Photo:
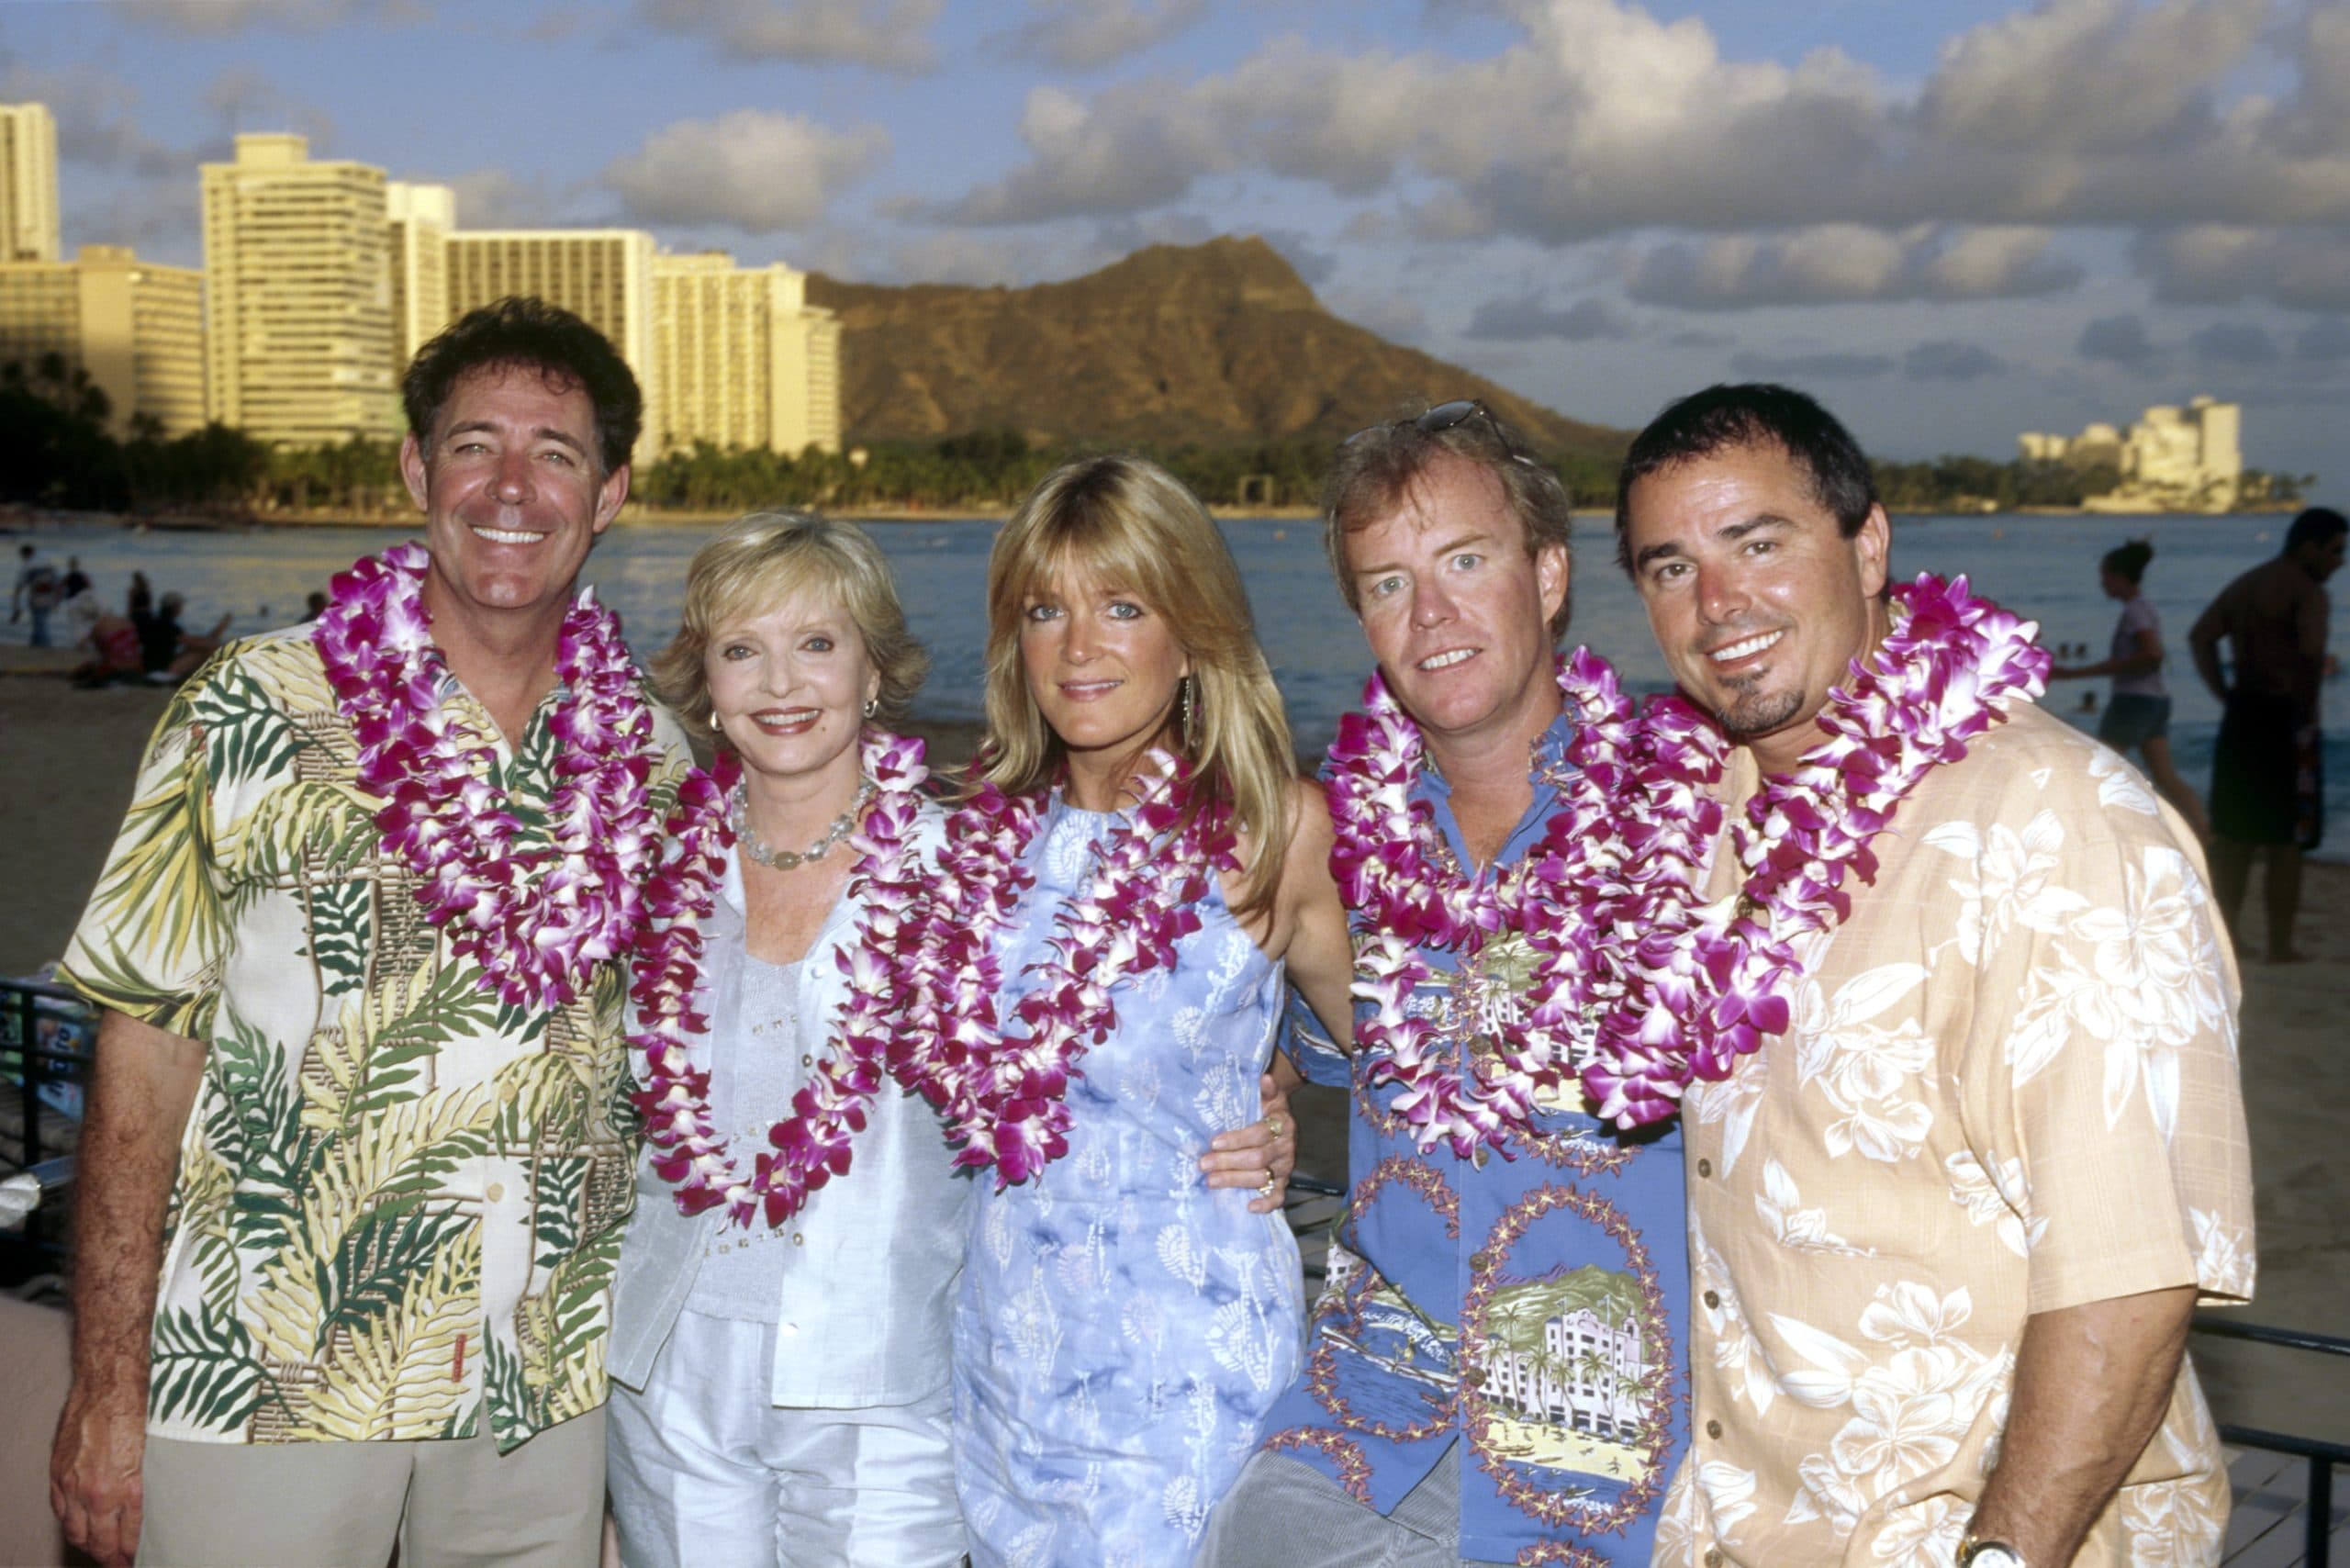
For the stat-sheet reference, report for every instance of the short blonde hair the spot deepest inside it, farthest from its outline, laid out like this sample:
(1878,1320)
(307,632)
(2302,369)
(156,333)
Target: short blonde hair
(1126,522)
(761,561)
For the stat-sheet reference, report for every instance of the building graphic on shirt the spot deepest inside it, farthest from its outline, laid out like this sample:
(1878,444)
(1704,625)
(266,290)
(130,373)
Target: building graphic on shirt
(1487,996)
(1568,1351)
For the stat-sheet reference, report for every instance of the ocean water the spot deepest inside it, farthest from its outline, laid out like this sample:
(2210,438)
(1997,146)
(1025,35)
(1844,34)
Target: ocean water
(2040,566)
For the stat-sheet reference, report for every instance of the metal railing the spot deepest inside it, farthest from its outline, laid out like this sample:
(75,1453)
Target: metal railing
(2319,1454)
(45,1036)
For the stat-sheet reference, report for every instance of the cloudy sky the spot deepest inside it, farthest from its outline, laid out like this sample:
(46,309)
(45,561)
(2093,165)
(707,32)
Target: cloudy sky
(1952,219)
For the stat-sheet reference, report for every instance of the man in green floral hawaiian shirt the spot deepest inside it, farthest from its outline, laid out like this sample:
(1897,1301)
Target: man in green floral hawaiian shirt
(360,1147)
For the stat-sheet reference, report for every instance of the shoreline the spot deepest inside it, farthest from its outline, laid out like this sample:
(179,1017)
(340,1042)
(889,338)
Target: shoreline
(30,521)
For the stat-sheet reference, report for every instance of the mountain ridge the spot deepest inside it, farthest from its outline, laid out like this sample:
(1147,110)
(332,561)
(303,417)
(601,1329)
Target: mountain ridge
(1219,344)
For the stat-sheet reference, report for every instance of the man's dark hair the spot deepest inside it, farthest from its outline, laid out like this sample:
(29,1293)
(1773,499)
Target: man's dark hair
(525,333)
(2318,525)
(1753,413)
(1376,468)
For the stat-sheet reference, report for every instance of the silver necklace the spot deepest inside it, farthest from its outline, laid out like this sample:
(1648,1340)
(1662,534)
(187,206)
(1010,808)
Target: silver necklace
(738,817)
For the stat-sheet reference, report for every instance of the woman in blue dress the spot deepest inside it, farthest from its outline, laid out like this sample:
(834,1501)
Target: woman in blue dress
(1122,1324)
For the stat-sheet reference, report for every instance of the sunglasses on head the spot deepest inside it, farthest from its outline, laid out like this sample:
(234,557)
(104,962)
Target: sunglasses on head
(1444,416)
(1437,421)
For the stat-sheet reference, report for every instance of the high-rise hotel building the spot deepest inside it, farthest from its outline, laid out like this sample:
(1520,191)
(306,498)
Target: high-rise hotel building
(298,321)
(28,230)
(419,218)
(135,327)
(602,275)
(744,359)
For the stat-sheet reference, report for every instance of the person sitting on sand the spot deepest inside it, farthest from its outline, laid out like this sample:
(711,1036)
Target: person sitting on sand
(167,651)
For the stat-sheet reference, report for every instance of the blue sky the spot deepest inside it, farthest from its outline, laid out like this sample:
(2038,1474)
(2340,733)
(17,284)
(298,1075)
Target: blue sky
(1952,219)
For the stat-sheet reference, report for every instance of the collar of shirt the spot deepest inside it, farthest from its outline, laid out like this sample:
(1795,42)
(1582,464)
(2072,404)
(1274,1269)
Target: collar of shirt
(1547,764)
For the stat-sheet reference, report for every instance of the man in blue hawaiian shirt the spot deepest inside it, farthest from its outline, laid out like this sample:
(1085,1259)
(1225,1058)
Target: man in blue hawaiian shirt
(1498,1369)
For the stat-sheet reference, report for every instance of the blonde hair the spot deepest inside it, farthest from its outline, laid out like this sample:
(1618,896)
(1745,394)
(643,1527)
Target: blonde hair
(762,560)
(1128,523)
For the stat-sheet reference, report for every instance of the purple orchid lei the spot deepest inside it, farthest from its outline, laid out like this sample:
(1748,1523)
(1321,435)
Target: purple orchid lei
(811,1146)
(1704,986)
(1632,809)
(1001,1087)
(538,920)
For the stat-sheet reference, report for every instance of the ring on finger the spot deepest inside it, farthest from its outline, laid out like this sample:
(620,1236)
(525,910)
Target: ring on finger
(1266,1190)
(1275,1124)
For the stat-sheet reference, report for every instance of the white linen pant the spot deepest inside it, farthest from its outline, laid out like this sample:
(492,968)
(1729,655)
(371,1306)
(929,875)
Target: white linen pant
(704,1470)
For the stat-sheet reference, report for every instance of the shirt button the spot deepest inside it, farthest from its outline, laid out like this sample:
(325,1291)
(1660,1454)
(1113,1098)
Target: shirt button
(796,1239)
(1713,1300)
(1713,1557)
(1713,1429)
(1480,1263)
(807,1062)
(1705,1168)
(1473,1378)
(496,1192)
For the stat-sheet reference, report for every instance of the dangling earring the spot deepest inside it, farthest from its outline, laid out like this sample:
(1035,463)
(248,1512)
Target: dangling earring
(872,706)
(1190,714)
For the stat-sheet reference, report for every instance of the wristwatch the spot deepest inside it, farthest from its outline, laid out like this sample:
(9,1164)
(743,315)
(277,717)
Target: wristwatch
(1973,1552)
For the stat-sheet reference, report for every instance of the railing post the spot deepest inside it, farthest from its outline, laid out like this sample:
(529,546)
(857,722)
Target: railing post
(2318,1526)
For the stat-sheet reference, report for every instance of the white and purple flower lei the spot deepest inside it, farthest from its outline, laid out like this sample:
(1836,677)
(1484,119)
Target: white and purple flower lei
(537,920)
(1632,810)
(1001,1089)
(1704,986)
(811,1146)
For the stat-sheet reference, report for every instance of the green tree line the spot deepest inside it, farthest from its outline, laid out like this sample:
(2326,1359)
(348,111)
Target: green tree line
(55,451)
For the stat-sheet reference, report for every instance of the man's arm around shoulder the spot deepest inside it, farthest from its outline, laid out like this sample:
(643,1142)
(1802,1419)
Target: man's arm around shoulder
(142,1083)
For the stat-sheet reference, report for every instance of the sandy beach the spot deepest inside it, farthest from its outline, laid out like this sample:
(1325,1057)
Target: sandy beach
(67,760)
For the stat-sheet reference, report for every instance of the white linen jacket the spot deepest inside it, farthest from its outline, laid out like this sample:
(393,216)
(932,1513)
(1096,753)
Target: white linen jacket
(876,1254)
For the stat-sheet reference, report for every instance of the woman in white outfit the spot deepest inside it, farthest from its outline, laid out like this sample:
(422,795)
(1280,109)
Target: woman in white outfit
(780,1390)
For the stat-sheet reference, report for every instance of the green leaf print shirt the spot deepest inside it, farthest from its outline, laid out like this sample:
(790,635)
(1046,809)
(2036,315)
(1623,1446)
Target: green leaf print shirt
(398,1200)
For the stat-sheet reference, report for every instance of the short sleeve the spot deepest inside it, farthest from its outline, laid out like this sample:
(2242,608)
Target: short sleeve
(1309,1046)
(2106,1022)
(151,941)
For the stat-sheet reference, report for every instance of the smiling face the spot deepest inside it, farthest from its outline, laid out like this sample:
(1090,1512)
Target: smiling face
(513,495)
(1104,666)
(1758,601)
(787,687)
(1456,613)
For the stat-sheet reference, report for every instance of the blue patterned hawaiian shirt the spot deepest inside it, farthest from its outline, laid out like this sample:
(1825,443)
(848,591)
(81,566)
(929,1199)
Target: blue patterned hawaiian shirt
(1557,1276)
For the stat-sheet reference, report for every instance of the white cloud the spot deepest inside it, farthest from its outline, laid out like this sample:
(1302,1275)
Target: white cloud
(1083,35)
(2219,265)
(1602,118)
(1527,315)
(755,169)
(886,35)
(496,199)
(2090,76)
(1842,262)
(223,16)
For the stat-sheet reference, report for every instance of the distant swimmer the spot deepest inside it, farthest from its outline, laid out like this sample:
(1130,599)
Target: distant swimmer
(2137,719)
(2268,789)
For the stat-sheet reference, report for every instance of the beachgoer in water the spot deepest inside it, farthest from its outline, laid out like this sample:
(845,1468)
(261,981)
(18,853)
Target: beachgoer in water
(2137,719)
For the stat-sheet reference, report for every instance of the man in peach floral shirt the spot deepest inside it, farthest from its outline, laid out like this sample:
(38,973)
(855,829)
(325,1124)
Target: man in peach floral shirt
(1949,1222)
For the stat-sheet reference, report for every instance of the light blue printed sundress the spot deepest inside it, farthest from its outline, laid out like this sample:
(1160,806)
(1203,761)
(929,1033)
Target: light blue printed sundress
(1122,1328)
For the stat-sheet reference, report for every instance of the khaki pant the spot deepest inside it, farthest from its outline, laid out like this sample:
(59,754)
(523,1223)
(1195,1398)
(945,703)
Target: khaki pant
(448,1504)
